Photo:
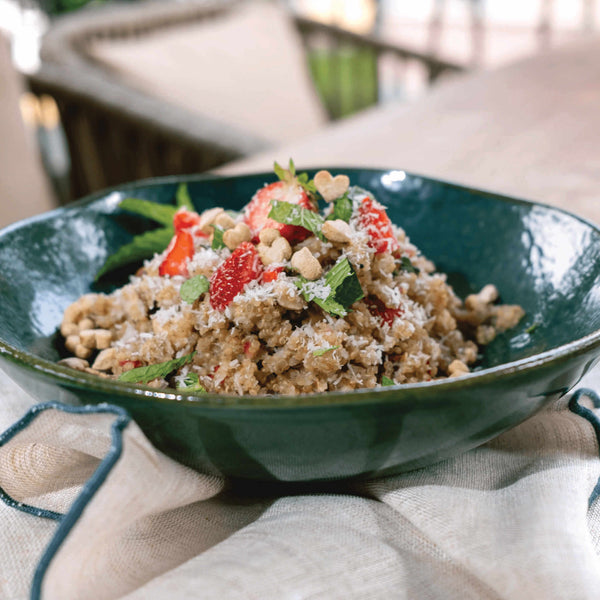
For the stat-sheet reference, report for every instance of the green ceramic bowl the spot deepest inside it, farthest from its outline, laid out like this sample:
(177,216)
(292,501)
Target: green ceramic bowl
(544,259)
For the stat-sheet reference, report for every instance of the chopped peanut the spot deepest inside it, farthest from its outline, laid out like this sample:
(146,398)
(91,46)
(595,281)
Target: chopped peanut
(82,352)
(105,359)
(67,329)
(279,251)
(232,238)
(88,337)
(331,187)
(72,342)
(337,231)
(86,323)
(224,221)
(508,316)
(487,295)
(207,218)
(457,368)
(103,338)
(268,235)
(306,264)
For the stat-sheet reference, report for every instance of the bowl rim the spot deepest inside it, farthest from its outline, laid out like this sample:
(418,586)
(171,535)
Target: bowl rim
(70,378)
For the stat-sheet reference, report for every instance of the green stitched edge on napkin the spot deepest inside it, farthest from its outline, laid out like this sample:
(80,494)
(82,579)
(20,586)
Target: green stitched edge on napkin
(68,520)
(91,486)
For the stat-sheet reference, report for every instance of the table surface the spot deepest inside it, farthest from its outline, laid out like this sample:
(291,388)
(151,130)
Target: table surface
(530,130)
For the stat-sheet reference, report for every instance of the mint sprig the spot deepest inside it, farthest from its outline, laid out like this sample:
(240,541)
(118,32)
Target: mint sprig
(161,213)
(292,214)
(342,209)
(182,197)
(193,288)
(150,372)
(321,351)
(341,285)
(191,383)
(289,173)
(141,247)
(407,266)
(217,241)
(149,243)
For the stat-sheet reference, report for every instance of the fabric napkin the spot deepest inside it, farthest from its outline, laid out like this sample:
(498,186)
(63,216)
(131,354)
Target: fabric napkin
(92,510)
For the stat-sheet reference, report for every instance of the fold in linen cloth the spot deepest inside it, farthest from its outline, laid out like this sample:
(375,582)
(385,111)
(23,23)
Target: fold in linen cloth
(102,515)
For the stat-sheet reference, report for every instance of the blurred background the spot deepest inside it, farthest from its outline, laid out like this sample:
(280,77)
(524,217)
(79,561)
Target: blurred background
(96,93)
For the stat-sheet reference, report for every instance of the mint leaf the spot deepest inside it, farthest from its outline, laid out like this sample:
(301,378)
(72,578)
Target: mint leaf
(217,241)
(306,183)
(532,327)
(161,213)
(344,282)
(146,374)
(281,173)
(289,174)
(342,209)
(322,351)
(191,383)
(320,293)
(335,292)
(385,381)
(292,214)
(183,199)
(193,288)
(407,266)
(141,247)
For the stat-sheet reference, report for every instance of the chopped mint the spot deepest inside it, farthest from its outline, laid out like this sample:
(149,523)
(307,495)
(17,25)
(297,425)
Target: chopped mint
(322,351)
(182,197)
(146,374)
(161,213)
(385,381)
(193,288)
(342,209)
(306,183)
(407,266)
(345,285)
(217,241)
(340,288)
(141,247)
(191,383)
(292,214)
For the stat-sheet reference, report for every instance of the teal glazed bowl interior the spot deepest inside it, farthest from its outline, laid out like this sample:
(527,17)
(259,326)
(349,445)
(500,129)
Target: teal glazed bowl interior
(542,258)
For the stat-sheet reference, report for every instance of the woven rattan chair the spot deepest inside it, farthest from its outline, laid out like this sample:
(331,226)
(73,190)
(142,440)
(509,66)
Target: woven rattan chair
(118,133)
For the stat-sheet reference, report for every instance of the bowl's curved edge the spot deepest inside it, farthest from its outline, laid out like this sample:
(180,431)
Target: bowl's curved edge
(79,380)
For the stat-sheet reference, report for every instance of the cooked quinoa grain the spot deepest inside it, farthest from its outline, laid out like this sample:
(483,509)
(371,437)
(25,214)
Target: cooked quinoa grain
(281,309)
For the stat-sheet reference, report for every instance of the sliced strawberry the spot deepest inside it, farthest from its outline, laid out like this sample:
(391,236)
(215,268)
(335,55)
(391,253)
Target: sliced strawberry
(375,221)
(257,211)
(180,250)
(231,276)
(271,274)
(186,219)
(378,309)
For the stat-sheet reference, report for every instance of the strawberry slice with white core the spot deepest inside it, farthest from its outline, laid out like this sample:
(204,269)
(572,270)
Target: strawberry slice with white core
(257,211)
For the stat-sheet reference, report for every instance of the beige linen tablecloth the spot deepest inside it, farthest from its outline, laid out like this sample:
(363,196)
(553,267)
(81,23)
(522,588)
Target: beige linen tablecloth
(92,510)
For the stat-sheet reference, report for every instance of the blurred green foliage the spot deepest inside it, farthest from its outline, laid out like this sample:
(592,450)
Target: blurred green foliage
(346,78)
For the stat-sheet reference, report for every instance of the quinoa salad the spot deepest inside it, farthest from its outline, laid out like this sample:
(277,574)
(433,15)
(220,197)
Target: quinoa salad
(282,298)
